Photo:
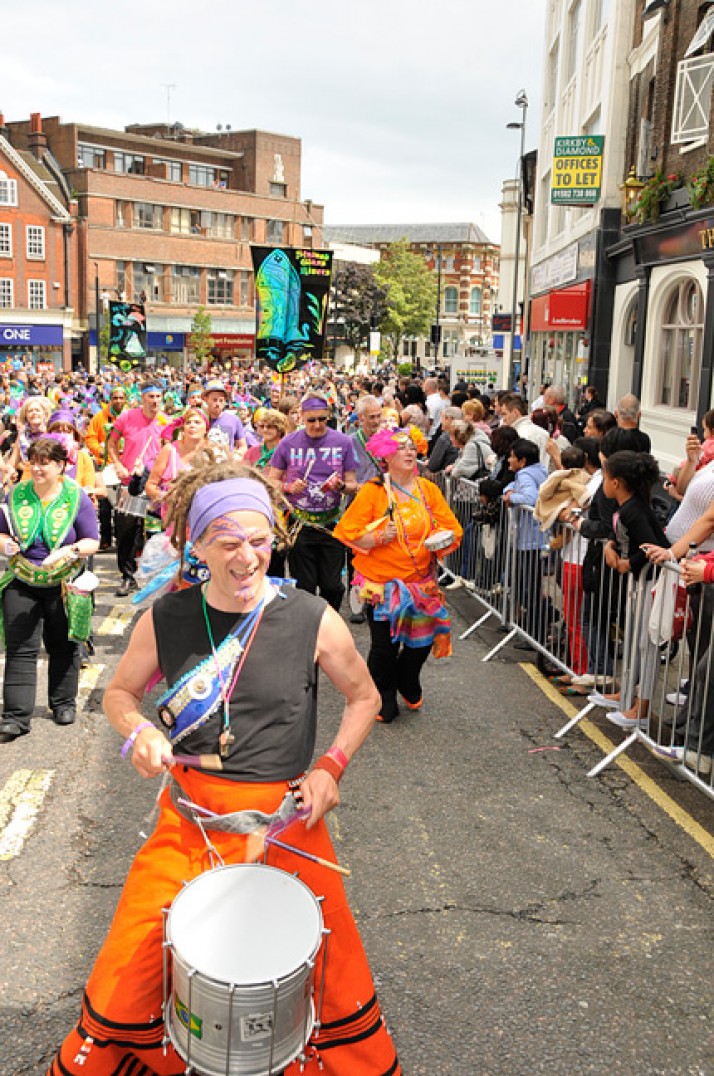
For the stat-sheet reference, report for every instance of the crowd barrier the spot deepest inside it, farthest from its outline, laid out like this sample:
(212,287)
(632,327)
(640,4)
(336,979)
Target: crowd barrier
(648,641)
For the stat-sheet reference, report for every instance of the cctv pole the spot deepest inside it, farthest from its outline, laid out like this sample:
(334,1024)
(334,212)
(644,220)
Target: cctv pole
(522,102)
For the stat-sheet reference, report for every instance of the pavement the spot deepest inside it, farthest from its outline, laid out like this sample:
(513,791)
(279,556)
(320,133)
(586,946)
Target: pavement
(519,916)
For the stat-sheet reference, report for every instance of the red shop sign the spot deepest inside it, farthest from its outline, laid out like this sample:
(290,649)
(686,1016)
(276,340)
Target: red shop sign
(232,341)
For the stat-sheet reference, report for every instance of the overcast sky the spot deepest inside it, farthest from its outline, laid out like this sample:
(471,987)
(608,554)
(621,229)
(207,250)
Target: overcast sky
(401,105)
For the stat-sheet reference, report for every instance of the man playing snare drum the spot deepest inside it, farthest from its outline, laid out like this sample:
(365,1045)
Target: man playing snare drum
(240,659)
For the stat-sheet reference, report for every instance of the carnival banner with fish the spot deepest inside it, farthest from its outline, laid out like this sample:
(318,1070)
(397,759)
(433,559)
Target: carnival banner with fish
(127,334)
(292,288)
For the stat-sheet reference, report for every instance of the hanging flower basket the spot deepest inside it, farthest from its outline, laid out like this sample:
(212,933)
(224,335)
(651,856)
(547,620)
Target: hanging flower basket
(701,186)
(655,193)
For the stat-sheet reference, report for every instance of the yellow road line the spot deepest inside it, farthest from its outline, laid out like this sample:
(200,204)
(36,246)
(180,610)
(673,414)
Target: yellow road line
(117,621)
(683,819)
(88,680)
(20,802)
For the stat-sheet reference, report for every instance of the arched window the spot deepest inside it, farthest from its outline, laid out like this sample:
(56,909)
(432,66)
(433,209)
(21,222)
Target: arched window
(681,346)
(475,302)
(451,300)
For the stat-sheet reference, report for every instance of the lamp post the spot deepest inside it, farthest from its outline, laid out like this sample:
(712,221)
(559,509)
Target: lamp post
(522,103)
(97,319)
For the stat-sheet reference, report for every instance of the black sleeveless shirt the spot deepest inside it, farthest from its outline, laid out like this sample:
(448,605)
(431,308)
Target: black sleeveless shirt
(273,709)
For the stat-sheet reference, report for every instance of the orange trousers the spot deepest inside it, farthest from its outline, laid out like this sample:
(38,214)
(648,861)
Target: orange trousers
(120,1030)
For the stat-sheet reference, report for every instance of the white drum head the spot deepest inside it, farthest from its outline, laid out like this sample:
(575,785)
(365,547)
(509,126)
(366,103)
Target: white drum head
(245,924)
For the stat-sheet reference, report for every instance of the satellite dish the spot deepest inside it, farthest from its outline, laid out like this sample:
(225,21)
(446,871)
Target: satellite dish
(228,126)
(219,126)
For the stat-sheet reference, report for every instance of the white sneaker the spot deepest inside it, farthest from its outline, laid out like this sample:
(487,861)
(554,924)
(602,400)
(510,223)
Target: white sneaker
(676,698)
(585,680)
(455,584)
(684,755)
(623,722)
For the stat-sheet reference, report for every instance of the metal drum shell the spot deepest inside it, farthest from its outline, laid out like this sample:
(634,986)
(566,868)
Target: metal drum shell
(243,1028)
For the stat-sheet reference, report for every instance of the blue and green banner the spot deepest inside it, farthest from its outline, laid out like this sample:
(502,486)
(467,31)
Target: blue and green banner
(292,290)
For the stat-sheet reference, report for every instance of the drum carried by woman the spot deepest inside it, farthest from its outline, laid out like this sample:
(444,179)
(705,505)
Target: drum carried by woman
(397,526)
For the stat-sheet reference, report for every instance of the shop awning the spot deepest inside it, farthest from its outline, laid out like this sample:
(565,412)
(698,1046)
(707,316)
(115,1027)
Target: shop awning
(565,309)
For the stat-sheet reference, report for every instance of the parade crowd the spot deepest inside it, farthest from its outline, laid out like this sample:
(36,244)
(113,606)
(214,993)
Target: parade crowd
(266,500)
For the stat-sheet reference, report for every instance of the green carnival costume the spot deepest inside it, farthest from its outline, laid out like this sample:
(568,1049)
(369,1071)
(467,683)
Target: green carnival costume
(30,521)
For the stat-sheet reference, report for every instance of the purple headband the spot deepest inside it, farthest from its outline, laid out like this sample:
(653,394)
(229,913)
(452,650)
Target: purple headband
(313,403)
(232,495)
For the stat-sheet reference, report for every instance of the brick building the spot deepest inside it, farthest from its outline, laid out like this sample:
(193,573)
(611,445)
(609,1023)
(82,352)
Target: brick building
(167,216)
(662,342)
(38,260)
(467,264)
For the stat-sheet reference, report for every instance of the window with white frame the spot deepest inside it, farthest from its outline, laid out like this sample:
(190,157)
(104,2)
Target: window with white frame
(244,285)
(220,287)
(8,191)
(6,292)
(475,303)
(186,284)
(451,300)
(36,294)
(147,215)
(680,348)
(5,240)
(274,231)
(35,241)
(574,19)
(692,100)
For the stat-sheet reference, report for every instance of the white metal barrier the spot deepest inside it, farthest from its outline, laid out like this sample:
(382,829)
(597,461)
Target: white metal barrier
(598,626)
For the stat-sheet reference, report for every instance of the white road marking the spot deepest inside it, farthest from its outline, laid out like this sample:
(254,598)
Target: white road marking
(20,801)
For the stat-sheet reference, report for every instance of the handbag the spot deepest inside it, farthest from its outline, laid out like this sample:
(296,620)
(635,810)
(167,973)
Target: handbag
(671,616)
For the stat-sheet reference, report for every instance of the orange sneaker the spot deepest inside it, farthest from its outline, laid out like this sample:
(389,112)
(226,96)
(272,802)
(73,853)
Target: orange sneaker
(413,705)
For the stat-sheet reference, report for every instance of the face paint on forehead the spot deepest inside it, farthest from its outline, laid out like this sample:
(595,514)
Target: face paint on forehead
(227,529)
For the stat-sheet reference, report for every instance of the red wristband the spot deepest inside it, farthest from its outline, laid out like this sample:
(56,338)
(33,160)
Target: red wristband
(339,756)
(328,764)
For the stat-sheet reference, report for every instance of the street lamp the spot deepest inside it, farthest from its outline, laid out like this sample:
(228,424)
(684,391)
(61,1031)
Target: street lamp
(522,103)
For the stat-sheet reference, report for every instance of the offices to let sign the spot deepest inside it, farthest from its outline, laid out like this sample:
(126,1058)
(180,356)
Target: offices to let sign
(577,170)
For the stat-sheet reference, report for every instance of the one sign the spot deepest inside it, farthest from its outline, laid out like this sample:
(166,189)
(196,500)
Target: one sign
(19,336)
(375,343)
(232,341)
(165,341)
(127,334)
(292,289)
(501,323)
(577,170)
(557,270)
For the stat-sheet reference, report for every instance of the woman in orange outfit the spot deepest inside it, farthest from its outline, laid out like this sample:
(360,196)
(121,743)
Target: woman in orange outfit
(387,527)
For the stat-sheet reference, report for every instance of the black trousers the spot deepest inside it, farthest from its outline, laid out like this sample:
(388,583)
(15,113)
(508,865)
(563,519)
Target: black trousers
(316,561)
(105,513)
(33,615)
(394,668)
(130,542)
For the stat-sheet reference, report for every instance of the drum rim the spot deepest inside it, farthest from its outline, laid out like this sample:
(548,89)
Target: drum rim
(246,867)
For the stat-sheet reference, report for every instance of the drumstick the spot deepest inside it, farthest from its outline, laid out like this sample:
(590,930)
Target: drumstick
(388,488)
(195,762)
(375,523)
(308,469)
(308,855)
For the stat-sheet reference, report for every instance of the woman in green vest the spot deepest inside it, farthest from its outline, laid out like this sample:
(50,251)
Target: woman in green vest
(47,528)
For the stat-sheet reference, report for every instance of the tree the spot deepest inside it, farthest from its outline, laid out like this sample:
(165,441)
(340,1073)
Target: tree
(359,303)
(411,300)
(200,340)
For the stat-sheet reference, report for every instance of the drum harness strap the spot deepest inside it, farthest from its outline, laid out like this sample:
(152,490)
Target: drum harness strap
(240,822)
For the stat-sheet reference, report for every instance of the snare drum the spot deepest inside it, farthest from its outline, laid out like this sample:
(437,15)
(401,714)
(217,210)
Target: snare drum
(439,540)
(129,505)
(242,942)
(110,478)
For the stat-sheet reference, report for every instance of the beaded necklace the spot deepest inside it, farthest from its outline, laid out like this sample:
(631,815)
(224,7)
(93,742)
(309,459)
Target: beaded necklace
(245,633)
(403,538)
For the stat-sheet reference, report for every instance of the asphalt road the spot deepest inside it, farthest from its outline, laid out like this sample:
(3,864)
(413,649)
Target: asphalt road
(520,917)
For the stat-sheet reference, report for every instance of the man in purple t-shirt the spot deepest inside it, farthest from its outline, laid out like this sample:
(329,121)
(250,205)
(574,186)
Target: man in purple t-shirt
(315,466)
(225,432)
